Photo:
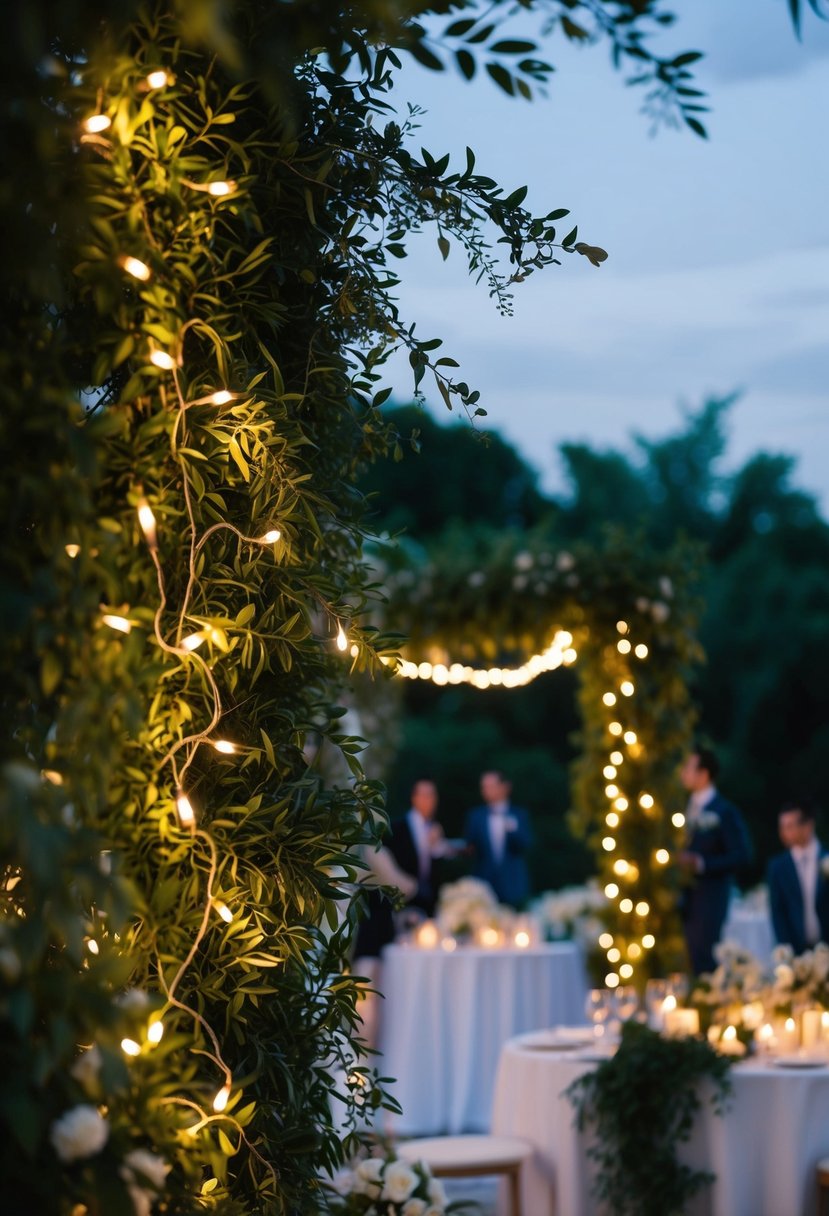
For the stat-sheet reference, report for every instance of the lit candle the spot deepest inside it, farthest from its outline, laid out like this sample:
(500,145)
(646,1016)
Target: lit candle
(679,1023)
(787,1037)
(489,937)
(427,935)
(811,1027)
(764,1037)
(729,1044)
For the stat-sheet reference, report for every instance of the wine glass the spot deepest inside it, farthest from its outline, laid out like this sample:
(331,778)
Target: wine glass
(655,993)
(679,986)
(626,999)
(598,1008)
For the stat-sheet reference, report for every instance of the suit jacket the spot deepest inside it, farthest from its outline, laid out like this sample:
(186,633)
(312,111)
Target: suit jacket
(725,848)
(509,877)
(401,844)
(786,899)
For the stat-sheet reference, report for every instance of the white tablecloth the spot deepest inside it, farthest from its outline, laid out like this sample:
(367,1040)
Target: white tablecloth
(751,929)
(446,1017)
(764,1149)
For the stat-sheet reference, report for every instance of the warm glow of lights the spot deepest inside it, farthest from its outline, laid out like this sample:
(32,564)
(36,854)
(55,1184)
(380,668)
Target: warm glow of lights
(630,736)
(625,905)
(608,844)
(615,728)
(611,980)
(161,359)
(616,758)
(649,941)
(489,936)
(135,267)
(569,656)
(342,640)
(441,673)
(791,1026)
(641,651)
(621,804)
(155,1031)
(130,1047)
(626,971)
(222,397)
(623,646)
(271,537)
(223,910)
(220,189)
(626,688)
(147,522)
(92,946)
(522,939)
(634,950)
(612,791)
(225,747)
(119,623)
(663,857)
(620,867)
(611,890)
(678,819)
(193,641)
(730,1032)
(157,79)
(613,955)
(612,819)
(609,698)
(186,814)
(622,626)
(669,1004)
(609,772)
(72,550)
(52,776)
(646,801)
(96,123)
(643,908)
(606,941)
(221,1099)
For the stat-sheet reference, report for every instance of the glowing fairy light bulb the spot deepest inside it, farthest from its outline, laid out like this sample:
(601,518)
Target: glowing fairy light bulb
(646,801)
(662,857)
(649,941)
(617,758)
(615,728)
(119,623)
(223,910)
(606,941)
(221,1099)
(678,819)
(92,946)
(52,776)
(130,1047)
(184,807)
(270,538)
(221,189)
(342,640)
(623,646)
(626,688)
(621,867)
(134,266)
(611,890)
(626,971)
(221,397)
(96,123)
(609,698)
(643,908)
(621,803)
(72,550)
(611,980)
(193,641)
(622,626)
(608,844)
(155,1031)
(225,747)
(612,820)
(625,905)
(641,651)
(161,359)
(157,79)
(609,772)
(147,522)
(614,954)
(630,736)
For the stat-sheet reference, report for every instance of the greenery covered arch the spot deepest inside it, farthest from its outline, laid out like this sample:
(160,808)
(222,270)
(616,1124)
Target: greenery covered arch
(625,617)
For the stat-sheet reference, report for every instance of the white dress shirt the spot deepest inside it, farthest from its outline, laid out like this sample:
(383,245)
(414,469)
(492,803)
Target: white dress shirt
(500,822)
(805,858)
(697,803)
(421,834)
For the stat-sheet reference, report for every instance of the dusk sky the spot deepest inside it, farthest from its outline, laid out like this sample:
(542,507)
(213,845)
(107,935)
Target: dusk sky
(718,275)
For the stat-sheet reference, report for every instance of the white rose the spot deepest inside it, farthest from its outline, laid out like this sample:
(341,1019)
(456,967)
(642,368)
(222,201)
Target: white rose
(437,1193)
(142,1166)
(80,1132)
(660,612)
(414,1207)
(523,561)
(343,1181)
(86,1068)
(399,1181)
(367,1177)
(565,561)
(783,975)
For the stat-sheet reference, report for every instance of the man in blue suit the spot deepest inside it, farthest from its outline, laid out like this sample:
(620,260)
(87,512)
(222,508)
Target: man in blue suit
(717,847)
(500,837)
(798,887)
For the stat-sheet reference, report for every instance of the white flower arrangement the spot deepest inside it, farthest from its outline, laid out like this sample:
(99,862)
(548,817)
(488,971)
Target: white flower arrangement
(80,1132)
(388,1186)
(87,1068)
(466,906)
(571,913)
(740,980)
(145,1174)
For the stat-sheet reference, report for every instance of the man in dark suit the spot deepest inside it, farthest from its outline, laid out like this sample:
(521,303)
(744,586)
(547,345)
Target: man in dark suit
(416,841)
(798,887)
(717,847)
(499,834)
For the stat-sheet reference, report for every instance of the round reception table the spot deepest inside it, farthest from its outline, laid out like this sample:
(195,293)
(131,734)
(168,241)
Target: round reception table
(446,1017)
(763,1150)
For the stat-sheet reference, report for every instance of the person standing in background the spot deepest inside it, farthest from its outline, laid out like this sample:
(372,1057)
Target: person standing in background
(500,836)
(717,847)
(798,887)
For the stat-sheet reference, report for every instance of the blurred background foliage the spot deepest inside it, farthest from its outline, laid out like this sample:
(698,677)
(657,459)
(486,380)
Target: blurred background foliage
(763,692)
